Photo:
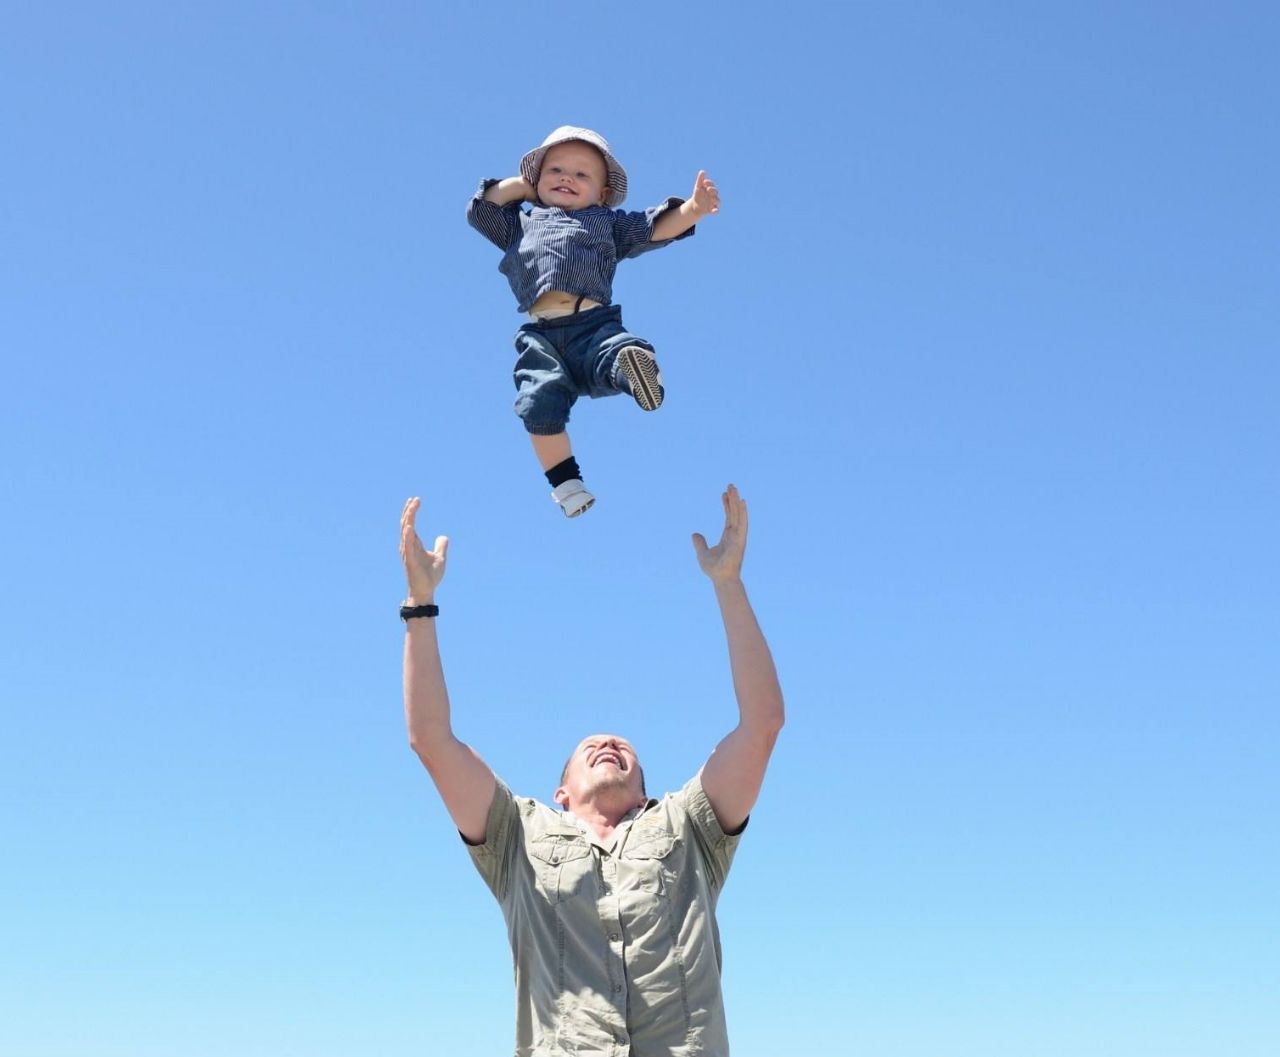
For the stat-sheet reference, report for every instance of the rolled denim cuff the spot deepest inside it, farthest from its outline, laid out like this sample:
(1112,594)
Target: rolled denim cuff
(545,429)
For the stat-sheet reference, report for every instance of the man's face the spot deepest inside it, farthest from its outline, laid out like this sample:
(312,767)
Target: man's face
(601,764)
(572,177)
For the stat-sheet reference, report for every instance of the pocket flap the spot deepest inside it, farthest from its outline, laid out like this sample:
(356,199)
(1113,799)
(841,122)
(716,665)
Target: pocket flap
(555,850)
(651,846)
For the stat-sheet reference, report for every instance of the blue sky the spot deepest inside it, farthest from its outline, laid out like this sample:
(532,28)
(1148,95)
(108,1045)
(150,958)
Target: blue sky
(986,334)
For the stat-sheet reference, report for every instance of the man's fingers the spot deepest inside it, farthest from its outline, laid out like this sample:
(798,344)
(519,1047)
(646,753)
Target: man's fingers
(409,513)
(735,512)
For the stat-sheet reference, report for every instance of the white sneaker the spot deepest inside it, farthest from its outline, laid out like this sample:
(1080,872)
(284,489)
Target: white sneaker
(640,367)
(572,497)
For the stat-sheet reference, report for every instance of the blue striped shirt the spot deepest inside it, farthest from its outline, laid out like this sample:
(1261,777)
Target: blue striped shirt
(548,248)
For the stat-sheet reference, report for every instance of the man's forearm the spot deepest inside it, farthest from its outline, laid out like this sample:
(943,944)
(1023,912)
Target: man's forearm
(426,700)
(755,679)
(674,222)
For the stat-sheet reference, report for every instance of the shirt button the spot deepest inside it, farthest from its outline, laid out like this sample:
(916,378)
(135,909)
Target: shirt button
(614,937)
(617,988)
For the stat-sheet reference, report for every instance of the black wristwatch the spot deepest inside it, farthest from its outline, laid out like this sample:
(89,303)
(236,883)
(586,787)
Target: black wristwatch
(409,612)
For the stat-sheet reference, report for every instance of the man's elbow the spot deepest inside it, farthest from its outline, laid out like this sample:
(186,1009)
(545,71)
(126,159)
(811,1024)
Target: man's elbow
(425,744)
(764,730)
(774,719)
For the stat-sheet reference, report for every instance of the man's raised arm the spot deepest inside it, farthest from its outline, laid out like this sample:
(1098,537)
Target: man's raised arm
(464,780)
(732,775)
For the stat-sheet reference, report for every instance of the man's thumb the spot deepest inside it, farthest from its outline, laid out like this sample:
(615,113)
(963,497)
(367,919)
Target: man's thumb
(699,544)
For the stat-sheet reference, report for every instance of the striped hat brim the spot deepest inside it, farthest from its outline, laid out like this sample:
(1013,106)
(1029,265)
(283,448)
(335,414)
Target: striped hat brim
(615,174)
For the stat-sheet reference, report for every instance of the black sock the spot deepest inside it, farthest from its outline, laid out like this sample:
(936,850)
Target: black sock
(563,471)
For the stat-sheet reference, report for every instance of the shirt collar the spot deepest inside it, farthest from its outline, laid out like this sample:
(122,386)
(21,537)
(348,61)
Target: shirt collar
(618,830)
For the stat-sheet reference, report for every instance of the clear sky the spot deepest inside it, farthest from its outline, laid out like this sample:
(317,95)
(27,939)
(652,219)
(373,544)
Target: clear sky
(986,333)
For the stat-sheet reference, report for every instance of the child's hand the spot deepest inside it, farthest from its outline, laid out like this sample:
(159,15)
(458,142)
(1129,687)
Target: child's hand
(705,198)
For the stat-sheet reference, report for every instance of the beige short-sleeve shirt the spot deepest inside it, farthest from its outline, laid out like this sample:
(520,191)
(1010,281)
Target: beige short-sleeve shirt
(615,946)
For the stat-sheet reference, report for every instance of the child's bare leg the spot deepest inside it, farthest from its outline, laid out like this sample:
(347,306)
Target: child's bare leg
(556,456)
(551,449)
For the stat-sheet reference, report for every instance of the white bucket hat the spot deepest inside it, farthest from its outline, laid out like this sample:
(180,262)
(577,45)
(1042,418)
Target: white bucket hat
(616,178)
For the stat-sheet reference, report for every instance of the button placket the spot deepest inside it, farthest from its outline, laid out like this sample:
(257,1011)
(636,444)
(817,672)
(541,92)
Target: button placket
(611,920)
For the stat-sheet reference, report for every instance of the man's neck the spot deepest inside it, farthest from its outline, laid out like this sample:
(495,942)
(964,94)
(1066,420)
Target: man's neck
(602,818)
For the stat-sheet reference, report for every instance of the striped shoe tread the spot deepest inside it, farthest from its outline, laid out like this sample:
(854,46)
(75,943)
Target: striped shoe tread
(641,369)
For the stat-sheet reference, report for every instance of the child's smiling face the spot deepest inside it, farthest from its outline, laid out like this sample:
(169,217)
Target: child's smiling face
(572,177)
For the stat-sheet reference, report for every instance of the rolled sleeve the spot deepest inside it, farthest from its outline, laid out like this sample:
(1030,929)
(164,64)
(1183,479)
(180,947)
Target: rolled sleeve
(496,223)
(715,845)
(493,857)
(633,232)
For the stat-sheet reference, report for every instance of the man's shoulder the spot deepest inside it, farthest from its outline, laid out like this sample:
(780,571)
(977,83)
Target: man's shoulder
(677,804)
(535,815)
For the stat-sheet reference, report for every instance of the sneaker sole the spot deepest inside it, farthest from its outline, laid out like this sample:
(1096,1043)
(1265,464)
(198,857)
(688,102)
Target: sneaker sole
(642,372)
(582,509)
(576,503)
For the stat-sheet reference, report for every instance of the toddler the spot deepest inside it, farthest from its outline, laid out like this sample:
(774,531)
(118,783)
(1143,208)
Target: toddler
(559,257)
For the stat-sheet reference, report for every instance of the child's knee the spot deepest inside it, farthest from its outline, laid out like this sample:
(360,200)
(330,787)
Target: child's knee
(543,411)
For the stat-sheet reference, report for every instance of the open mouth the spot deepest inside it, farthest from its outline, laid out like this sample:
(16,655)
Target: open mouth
(608,757)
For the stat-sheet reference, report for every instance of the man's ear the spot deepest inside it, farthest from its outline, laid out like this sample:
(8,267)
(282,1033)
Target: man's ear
(561,796)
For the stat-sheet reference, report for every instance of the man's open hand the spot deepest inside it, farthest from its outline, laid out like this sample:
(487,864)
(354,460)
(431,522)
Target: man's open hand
(423,568)
(723,562)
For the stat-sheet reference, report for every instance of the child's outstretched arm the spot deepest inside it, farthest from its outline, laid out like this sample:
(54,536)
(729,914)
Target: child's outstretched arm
(512,189)
(705,201)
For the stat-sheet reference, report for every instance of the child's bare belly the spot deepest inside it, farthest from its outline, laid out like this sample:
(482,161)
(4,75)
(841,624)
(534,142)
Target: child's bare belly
(559,303)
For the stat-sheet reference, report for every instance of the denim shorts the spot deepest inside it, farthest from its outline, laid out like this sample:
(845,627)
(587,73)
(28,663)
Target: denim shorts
(567,357)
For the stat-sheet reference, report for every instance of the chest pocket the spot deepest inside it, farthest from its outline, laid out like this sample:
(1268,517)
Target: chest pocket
(650,856)
(563,865)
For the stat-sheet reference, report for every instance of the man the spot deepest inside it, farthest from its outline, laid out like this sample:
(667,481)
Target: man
(610,904)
